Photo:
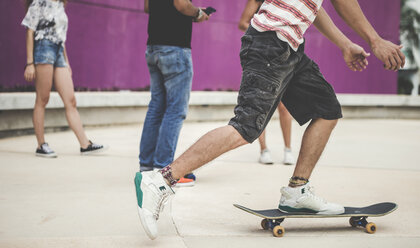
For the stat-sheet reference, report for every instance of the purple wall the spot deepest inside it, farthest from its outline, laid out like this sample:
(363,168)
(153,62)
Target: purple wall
(106,44)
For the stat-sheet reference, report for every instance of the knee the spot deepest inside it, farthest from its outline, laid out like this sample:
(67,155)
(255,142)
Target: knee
(42,101)
(241,141)
(237,138)
(71,103)
(177,112)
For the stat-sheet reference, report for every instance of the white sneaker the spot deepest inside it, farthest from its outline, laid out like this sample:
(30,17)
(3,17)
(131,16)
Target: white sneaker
(265,157)
(303,200)
(288,157)
(152,194)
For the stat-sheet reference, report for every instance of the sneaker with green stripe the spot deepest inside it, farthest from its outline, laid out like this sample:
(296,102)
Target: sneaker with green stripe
(152,194)
(302,200)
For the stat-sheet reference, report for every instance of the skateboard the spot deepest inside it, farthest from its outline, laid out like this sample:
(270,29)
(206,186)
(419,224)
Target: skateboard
(272,218)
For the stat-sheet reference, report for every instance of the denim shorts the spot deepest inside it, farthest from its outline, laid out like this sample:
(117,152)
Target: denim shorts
(273,72)
(48,52)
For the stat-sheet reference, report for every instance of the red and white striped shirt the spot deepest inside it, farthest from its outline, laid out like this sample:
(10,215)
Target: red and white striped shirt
(288,18)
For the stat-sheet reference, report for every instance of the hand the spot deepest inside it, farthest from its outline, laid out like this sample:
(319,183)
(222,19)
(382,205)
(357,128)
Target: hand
(355,57)
(389,53)
(29,73)
(204,17)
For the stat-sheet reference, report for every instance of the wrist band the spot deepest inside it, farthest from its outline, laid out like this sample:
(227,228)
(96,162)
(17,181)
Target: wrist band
(28,64)
(199,14)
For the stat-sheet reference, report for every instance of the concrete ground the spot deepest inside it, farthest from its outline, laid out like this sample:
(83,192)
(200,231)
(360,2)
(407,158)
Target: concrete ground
(89,201)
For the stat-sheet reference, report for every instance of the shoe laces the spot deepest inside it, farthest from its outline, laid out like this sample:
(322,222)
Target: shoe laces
(95,146)
(161,204)
(46,148)
(311,193)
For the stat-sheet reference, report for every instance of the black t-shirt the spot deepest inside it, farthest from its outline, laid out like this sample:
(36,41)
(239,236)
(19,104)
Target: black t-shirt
(168,26)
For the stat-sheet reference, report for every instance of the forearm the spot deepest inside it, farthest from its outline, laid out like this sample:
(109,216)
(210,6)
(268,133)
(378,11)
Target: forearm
(250,8)
(29,46)
(186,7)
(326,26)
(243,26)
(352,14)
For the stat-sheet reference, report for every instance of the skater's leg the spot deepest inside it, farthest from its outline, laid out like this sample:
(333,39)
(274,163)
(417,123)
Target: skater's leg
(313,143)
(310,97)
(207,148)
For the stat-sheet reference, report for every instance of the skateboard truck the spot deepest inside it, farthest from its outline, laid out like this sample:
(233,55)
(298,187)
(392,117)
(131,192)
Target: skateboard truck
(361,221)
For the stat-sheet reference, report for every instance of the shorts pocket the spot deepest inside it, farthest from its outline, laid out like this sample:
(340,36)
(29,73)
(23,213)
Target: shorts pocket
(246,44)
(279,53)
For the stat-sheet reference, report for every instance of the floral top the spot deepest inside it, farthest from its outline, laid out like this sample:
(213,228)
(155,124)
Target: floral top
(48,19)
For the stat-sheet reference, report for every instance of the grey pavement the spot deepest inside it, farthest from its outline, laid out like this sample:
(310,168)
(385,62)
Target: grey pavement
(89,201)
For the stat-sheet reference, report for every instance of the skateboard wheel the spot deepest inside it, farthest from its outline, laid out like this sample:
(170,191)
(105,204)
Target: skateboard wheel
(278,231)
(264,224)
(371,227)
(353,222)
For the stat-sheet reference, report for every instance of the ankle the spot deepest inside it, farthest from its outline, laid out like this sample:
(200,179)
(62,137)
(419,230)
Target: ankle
(295,181)
(168,176)
(85,145)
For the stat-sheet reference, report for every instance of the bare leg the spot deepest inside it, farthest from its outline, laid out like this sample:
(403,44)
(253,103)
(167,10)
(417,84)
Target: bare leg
(313,143)
(43,83)
(261,139)
(64,85)
(285,124)
(207,148)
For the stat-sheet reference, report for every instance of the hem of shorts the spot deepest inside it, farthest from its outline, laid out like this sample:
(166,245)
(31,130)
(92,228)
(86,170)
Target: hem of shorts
(317,116)
(43,63)
(240,131)
(50,63)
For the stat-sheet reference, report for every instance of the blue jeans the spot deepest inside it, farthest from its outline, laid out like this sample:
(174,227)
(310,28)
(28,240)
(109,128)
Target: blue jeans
(171,74)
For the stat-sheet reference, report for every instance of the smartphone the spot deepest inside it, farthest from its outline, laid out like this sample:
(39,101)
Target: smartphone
(209,10)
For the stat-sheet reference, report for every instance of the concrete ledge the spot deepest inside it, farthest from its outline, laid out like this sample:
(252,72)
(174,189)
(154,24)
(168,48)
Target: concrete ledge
(364,100)
(116,108)
(15,101)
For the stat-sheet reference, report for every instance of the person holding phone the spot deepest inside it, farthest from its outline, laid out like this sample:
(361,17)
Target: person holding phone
(168,57)
(47,63)
(252,7)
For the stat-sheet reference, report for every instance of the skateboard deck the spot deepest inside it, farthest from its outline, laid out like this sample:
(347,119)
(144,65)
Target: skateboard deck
(272,218)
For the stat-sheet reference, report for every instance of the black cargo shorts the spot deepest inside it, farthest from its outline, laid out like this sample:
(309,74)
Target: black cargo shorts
(274,72)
